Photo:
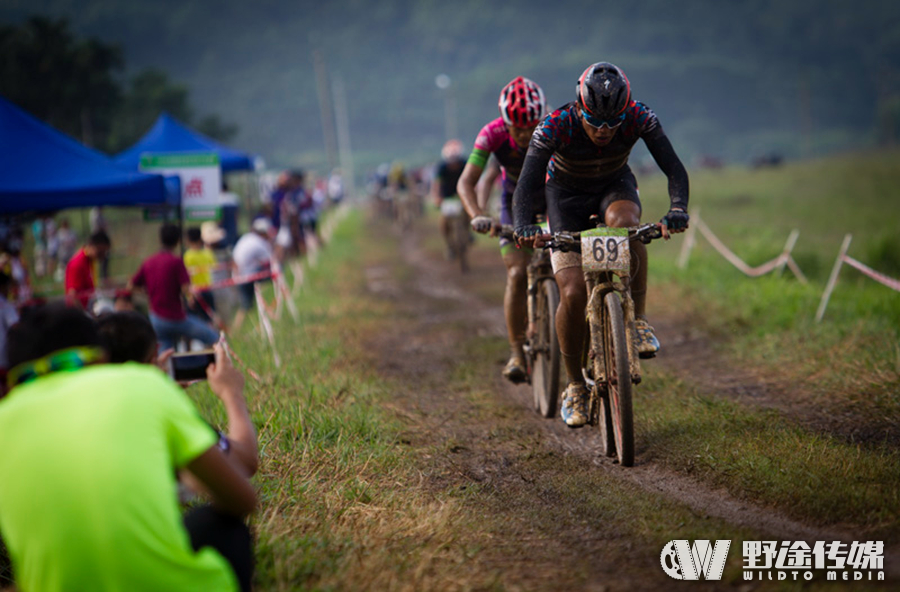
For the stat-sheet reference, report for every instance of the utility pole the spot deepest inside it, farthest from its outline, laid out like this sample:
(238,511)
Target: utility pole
(443,82)
(325,108)
(342,119)
(806,120)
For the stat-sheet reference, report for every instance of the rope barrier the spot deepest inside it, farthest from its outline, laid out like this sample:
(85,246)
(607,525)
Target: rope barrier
(875,275)
(865,269)
(779,262)
(238,280)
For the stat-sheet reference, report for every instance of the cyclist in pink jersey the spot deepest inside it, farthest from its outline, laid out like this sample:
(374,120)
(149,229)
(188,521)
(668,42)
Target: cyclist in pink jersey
(522,106)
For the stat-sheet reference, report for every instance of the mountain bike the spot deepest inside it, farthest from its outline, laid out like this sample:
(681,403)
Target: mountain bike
(610,363)
(542,355)
(460,235)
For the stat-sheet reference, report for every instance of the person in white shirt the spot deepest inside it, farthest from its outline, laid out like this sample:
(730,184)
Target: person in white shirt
(252,254)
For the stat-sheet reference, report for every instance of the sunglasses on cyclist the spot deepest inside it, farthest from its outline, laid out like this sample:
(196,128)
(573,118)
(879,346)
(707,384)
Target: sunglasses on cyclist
(598,123)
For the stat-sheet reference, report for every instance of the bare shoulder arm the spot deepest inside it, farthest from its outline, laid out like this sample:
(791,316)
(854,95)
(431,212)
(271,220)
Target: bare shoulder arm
(486,184)
(231,492)
(466,187)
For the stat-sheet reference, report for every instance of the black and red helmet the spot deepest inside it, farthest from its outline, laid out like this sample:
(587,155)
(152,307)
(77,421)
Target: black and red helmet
(604,94)
(522,103)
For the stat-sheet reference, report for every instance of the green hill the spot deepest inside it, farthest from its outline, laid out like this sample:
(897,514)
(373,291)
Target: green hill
(732,80)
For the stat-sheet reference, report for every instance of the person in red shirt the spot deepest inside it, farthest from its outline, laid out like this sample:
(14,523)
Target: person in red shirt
(166,281)
(81,271)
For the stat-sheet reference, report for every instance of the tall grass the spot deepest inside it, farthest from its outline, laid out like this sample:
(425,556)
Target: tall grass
(770,320)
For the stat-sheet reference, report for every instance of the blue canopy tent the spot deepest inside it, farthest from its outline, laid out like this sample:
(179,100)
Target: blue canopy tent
(42,169)
(168,135)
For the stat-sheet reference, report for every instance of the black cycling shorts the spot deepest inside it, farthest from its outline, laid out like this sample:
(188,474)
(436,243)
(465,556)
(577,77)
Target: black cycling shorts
(571,210)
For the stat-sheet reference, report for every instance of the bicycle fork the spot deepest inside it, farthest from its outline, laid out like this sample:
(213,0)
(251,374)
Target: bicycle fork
(595,307)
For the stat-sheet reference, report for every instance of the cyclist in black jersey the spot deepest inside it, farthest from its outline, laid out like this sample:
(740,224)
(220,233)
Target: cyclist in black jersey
(582,150)
(443,188)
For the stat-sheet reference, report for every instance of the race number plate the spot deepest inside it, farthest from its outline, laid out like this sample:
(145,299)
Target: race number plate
(605,249)
(451,207)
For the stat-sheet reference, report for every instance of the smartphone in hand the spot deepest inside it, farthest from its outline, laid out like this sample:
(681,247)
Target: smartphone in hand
(188,366)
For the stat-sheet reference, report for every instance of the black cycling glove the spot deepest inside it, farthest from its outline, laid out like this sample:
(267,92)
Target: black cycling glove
(676,220)
(528,231)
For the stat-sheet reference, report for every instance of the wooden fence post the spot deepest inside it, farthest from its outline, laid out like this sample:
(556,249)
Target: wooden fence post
(833,279)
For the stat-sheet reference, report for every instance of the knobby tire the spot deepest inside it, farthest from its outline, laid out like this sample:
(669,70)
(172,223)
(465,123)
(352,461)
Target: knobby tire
(618,373)
(545,378)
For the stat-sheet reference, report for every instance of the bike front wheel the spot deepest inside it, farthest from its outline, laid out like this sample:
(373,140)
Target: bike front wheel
(617,369)
(545,377)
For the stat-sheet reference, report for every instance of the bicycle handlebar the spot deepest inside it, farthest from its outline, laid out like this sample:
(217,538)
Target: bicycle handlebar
(570,242)
(507,232)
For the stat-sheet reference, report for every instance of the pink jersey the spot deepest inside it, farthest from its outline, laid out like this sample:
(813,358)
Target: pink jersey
(494,139)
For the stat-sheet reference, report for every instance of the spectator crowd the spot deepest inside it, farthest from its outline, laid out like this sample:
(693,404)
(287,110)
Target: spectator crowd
(112,480)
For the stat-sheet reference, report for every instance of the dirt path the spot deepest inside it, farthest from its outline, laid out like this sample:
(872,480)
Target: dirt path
(541,478)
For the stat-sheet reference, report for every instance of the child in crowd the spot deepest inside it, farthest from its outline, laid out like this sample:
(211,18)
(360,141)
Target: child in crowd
(200,262)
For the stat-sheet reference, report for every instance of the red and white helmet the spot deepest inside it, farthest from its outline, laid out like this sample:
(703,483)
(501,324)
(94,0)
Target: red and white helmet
(522,103)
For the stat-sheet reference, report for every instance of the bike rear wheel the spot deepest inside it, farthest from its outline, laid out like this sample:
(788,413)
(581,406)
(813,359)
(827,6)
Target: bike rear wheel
(545,377)
(618,377)
(462,236)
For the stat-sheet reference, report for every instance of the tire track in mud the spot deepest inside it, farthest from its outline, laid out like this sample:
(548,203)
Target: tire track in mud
(434,298)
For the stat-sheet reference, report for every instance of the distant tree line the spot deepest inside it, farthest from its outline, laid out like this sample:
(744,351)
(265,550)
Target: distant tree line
(77,86)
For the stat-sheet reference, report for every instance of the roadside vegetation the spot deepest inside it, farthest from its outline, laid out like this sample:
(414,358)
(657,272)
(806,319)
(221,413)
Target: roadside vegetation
(358,492)
(848,363)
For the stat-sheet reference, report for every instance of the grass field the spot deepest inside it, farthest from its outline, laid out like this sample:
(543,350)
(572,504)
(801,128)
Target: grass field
(345,503)
(345,500)
(770,321)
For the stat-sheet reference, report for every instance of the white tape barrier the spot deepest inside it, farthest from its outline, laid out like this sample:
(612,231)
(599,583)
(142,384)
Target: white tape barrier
(265,324)
(299,278)
(283,296)
(865,269)
(779,262)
